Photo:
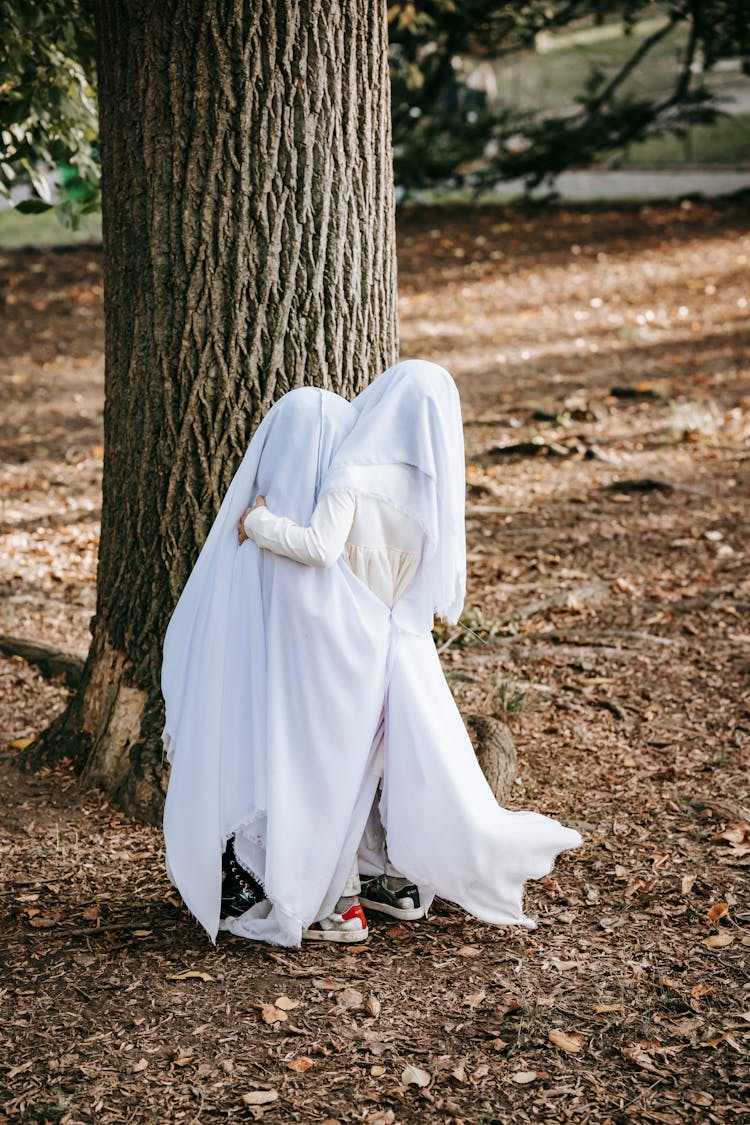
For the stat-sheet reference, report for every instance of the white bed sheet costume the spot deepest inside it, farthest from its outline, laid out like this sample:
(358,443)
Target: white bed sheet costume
(278,679)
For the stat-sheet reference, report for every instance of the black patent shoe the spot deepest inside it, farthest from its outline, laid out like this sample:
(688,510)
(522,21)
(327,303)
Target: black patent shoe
(239,890)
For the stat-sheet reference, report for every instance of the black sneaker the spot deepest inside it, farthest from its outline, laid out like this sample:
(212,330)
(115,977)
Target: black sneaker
(400,902)
(239,890)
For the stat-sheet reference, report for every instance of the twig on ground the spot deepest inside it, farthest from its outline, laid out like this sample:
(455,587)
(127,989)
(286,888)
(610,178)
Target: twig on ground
(50,661)
(106,928)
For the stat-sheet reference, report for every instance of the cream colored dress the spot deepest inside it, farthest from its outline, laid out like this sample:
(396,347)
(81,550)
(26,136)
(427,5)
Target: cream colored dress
(383,546)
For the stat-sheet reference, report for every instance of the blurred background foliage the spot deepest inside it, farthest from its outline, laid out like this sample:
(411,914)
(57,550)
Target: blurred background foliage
(485,92)
(48,117)
(482,92)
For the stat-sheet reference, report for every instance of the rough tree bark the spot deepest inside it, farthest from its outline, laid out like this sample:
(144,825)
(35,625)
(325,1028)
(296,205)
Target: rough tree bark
(496,754)
(249,248)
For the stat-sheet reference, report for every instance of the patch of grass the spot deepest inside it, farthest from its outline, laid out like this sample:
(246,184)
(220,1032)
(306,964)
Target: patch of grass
(585,36)
(44,230)
(509,699)
(472,627)
(551,78)
(725,142)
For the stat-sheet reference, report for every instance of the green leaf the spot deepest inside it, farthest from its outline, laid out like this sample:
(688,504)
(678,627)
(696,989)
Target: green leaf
(32,206)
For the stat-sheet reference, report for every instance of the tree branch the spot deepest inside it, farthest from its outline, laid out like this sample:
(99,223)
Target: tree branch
(593,106)
(48,660)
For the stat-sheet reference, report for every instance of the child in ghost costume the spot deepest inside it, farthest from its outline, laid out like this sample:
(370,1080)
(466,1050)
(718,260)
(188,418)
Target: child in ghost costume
(273,679)
(390,516)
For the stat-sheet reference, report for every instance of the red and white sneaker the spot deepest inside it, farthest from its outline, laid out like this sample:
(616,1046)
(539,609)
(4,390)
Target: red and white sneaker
(347,927)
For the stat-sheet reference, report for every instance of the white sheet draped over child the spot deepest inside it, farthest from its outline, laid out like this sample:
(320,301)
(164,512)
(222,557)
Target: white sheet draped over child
(273,679)
(284,671)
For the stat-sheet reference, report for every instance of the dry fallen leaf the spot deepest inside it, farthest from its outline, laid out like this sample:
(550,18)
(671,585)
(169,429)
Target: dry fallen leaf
(286,1003)
(397,931)
(563,966)
(474,999)
(735,833)
(717,911)
(372,1006)
(702,990)
(718,941)
(327,985)
(640,1056)
(686,1027)
(140,1065)
(20,743)
(301,1065)
(724,1037)
(523,1077)
(191,974)
(14,1070)
(414,1076)
(468,951)
(260,1097)
(608,1008)
(571,1043)
(377,1071)
(380,1117)
(699,1097)
(184,1060)
(269,1013)
(349,998)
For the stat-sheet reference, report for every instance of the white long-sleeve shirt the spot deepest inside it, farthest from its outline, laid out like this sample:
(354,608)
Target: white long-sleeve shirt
(382,545)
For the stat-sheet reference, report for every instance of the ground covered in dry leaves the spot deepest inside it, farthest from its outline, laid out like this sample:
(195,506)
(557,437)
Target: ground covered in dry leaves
(603,365)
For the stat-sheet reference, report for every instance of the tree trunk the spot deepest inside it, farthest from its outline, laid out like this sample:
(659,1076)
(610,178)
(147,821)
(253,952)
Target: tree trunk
(249,248)
(496,754)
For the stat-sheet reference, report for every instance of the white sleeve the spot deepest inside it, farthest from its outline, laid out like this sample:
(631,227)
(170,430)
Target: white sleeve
(320,544)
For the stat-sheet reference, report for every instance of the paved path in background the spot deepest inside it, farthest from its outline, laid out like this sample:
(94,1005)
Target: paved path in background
(635,183)
(610,184)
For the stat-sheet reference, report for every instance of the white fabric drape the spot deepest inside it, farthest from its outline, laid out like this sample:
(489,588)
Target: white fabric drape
(444,828)
(278,677)
(407,448)
(273,678)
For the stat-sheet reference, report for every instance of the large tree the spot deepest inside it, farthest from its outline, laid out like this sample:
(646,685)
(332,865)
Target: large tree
(249,248)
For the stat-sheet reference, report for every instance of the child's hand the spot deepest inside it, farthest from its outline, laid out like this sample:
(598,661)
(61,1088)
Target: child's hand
(242,535)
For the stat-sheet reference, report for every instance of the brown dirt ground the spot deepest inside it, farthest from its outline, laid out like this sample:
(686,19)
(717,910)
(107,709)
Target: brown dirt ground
(609,592)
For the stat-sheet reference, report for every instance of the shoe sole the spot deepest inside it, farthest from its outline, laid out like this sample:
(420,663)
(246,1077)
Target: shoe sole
(346,937)
(403,914)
